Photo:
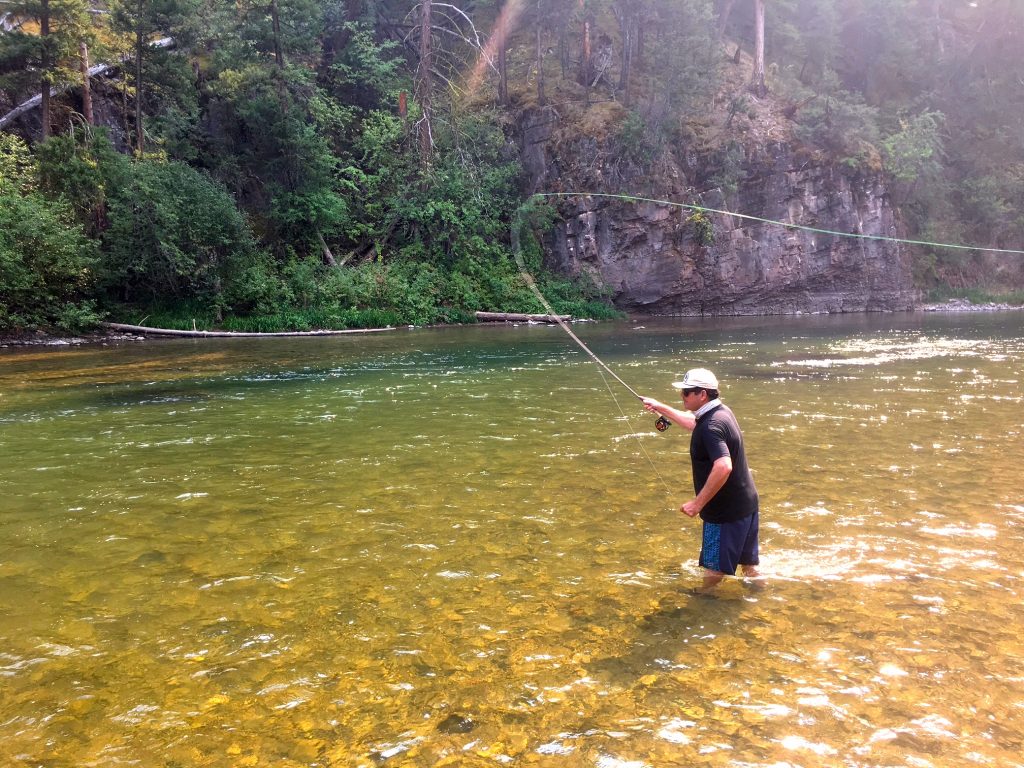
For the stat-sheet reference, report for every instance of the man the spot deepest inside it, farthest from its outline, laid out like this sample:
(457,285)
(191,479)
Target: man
(726,498)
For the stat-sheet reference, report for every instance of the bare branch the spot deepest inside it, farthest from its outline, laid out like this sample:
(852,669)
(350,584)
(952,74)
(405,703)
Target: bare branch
(471,25)
(454,30)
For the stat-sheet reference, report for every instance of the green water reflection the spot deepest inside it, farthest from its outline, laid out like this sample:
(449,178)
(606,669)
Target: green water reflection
(449,548)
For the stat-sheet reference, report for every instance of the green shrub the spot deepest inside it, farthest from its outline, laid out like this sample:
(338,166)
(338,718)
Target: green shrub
(175,233)
(19,173)
(45,266)
(843,125)
(703,228)
(84,170)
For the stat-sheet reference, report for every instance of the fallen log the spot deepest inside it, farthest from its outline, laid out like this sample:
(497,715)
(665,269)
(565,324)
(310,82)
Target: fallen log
(147,331)
(518,317)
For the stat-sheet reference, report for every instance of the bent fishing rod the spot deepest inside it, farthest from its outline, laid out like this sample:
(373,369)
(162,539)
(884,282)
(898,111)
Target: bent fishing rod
(662,423)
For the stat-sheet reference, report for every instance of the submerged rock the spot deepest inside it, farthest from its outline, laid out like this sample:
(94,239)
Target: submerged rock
(456,723)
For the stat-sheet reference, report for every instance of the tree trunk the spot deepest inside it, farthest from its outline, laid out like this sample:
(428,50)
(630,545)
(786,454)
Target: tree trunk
(328,256)
(541,100)
(519,317)
(723,17)
(83,56)
(275,20)
(563,47)
(937,21)
(757,82)
(424,85)
(627,63)
(44,66)
(148,331)
(585,49)
(639,32)
(124,102)
(626,15)
(140,143)
(502,62)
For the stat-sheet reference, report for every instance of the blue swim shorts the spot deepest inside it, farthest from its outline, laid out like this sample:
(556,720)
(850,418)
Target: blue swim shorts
(728,545)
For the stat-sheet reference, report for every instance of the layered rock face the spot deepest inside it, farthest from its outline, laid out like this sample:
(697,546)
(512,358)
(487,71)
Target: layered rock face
(651,257)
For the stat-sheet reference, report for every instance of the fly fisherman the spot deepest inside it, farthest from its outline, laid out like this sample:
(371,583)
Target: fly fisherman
(726,498)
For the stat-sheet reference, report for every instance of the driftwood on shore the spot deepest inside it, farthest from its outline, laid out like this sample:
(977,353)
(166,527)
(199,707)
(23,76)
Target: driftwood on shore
(146,331)
(518,317)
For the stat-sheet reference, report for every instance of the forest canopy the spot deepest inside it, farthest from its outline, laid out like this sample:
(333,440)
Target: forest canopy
(289,164)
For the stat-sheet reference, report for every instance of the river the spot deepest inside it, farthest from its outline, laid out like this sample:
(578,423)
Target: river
(463,547)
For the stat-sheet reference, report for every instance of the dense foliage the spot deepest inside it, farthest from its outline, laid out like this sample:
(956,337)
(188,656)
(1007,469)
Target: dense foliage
(45,256)
(303,163)
(931,87)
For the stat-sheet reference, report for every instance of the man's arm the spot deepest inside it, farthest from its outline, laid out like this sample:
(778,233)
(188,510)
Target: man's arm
(720,472)
(684,419)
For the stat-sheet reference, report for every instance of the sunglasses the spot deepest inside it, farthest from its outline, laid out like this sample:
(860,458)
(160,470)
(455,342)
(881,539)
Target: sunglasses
(690,391)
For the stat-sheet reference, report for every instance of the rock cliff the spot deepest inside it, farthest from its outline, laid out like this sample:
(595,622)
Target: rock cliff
(654,259)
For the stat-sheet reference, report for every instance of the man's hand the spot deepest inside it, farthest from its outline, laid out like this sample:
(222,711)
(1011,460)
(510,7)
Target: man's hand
(720,472)
(682,418)
(652,405)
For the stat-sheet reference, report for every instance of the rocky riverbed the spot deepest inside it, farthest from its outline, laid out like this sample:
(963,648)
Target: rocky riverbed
(43,339)
(964,305)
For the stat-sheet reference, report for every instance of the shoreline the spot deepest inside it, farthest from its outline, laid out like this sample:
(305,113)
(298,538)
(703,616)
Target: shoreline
(963,305)
(112,336)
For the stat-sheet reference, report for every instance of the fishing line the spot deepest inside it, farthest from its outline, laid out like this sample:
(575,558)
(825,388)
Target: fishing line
(635,434)
(787,225)
(517,253)
(661,424)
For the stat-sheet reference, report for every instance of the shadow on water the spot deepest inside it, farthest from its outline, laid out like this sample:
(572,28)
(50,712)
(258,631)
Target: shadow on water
(668,635)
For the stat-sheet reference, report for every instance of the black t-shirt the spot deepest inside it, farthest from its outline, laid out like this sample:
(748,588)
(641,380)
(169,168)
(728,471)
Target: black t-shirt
(716,435)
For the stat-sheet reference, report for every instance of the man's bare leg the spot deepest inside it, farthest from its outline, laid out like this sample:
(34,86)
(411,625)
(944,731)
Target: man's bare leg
(752,577)
(711,580)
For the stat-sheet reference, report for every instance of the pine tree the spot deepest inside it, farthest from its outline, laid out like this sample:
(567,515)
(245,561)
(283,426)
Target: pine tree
(46,37)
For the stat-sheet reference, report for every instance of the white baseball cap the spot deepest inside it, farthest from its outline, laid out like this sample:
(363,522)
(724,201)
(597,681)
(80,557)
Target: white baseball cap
(700,378)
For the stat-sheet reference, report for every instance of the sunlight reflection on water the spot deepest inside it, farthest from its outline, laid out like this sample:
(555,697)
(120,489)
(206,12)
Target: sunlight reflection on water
(447,547)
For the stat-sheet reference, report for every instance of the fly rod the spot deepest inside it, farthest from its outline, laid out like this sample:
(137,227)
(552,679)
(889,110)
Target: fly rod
(662,423)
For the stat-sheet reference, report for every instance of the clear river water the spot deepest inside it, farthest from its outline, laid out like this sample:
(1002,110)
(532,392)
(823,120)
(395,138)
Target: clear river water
(462,547)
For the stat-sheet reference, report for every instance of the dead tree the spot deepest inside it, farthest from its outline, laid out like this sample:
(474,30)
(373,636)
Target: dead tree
(424,87)
(45,66)
(83,57)
(723,17)
(586,64)
(757,79)
(541,100)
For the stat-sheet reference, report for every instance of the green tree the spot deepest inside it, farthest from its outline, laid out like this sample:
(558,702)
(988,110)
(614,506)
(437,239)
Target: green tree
(18,169)
(914,152)
(174,235)
(43,49)
(141,24)
(276,124)
(82,170)
(45,258)
(686,58)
